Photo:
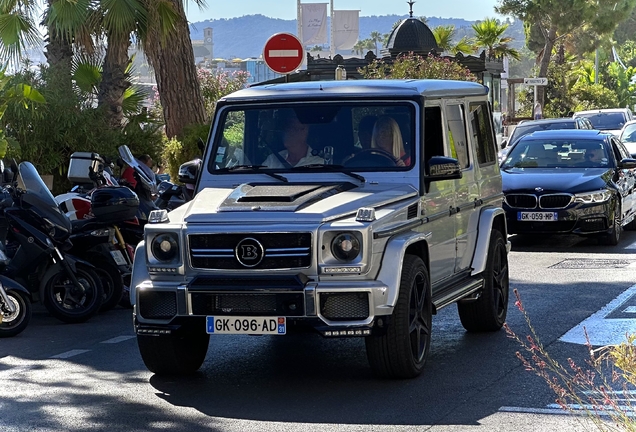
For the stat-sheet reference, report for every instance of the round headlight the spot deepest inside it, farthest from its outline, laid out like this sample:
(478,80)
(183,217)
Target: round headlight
(345,247)
(165,247)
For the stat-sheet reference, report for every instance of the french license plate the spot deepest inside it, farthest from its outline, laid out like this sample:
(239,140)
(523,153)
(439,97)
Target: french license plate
(246,325)
(537,216)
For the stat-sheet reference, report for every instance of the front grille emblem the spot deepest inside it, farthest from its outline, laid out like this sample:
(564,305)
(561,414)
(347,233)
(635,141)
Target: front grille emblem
(249,252)
(538,189)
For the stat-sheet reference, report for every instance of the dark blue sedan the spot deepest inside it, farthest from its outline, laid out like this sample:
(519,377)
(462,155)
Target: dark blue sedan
(570,182)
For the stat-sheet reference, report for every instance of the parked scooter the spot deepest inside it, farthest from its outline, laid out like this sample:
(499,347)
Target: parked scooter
(35,232)
(15,307)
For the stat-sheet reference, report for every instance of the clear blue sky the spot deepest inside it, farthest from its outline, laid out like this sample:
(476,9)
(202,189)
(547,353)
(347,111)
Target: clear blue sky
(286,9)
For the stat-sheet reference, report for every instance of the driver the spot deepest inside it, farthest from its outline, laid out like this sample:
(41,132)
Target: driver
(297,152)
(387,137)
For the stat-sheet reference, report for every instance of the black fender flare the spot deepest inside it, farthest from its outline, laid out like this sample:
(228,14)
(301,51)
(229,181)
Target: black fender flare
(11,285)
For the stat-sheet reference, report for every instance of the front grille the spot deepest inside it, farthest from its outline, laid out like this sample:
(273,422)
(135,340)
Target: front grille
(344,306)
(157,304)
(279,250)
(265,304)
(555,201)
(411,212)
(522,201)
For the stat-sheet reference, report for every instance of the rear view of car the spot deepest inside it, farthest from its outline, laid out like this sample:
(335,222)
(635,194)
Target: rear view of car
(609,120)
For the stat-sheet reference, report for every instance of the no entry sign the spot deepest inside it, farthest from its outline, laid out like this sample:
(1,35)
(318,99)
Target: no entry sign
(283,53)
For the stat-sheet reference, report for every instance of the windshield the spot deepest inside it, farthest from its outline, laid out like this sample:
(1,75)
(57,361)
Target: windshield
(34,184)
(320,136)
(527,128)
(629,133)
(605,120)
(563,153)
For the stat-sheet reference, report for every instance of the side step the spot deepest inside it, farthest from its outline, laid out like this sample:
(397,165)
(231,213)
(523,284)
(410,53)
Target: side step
(455,292)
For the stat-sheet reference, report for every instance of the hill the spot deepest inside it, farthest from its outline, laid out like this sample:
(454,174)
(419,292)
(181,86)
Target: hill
(245,36)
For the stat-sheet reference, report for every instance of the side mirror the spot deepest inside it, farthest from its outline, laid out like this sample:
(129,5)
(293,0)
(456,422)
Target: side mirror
(443,168)
(627,163)
(504,143)
(201,145)
(189,171)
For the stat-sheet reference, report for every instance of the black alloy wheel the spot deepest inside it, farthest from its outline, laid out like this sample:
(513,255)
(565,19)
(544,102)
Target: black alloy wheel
(12,323)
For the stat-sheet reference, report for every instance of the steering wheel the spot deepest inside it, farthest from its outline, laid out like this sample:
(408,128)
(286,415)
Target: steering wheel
(370,158)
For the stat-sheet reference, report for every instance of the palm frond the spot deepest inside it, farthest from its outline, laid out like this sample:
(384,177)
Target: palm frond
(17,33)
(67,16)
(134,97)
(122,16)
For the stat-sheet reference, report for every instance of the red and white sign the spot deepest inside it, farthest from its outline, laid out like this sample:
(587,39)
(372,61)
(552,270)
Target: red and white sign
(283,53)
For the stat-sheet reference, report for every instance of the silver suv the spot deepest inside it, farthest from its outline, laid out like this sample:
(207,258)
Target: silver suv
(349,208)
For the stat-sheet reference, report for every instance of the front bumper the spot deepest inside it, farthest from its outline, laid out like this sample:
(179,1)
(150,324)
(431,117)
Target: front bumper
(324,306)
(581,219)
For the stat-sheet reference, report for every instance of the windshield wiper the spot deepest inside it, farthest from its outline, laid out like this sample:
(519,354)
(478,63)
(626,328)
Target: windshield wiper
(333,168)
(255,168)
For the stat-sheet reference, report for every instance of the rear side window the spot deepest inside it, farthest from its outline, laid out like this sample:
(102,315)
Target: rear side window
(456,130)
(483,137)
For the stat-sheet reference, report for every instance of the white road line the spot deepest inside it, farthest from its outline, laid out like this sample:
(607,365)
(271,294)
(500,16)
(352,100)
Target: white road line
(70,353)
(118,339)
(558,411)
(630,309)
(283,53)
(603,331)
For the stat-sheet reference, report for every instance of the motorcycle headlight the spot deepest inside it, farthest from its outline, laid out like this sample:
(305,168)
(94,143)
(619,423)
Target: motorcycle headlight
(165,247)
(593,197)
(345,247)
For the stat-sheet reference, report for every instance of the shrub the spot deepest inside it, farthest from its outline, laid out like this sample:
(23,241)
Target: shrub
(184,148)
(416,66)
(590,387)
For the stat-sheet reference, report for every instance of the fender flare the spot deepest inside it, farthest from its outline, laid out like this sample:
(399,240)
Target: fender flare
(11,285)
(139,271)
(486,221)
(391,272)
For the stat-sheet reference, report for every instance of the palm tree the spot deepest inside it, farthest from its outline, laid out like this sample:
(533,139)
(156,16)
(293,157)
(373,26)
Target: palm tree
(376,37)
(159,26)
(359,47)
(444,36)
(489,35)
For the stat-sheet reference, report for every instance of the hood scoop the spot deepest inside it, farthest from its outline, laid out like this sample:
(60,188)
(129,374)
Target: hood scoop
(280,197)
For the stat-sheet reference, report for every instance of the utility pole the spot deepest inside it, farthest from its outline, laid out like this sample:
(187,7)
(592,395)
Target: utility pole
(332,33)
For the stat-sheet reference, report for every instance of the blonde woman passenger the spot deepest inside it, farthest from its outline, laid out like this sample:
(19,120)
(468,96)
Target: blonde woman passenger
(387,137)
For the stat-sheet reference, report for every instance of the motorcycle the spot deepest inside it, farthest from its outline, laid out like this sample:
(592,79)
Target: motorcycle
(36,232)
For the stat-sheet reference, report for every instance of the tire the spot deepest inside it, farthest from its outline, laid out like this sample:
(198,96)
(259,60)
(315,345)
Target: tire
(174,354)
(14,323)
(488,312)
(68,303)
(402,350)
(125,295)
(613,237)
(112,283)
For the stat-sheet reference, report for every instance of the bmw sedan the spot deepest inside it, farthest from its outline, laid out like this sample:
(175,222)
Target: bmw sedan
(570,182)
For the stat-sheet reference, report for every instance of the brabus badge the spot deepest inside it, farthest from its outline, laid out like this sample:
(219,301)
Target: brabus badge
(249,252)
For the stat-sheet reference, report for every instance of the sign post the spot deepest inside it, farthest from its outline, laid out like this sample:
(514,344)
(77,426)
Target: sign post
(535,82)
(283,53)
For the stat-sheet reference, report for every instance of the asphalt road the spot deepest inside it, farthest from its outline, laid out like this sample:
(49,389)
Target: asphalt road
(60,377)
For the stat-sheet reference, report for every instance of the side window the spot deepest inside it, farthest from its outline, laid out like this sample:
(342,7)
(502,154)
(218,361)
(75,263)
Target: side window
(482,133)
(230,152)
(620,150)
(433,136)
(456,129)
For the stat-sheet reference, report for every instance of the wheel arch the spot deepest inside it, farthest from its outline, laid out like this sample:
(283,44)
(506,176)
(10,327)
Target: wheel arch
(489,219)
(413,243)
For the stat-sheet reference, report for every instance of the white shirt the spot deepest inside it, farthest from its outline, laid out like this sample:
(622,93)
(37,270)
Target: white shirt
(273,162)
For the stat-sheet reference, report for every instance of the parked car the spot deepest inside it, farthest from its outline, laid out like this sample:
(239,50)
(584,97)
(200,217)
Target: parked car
(296,227)
(609,120)
(526,127)
(628,136)
(570,181)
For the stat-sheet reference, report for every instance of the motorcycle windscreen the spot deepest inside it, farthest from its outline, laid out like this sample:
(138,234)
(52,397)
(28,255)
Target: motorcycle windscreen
(46,203)
(144,173)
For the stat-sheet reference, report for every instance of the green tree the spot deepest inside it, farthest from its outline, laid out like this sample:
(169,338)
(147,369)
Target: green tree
(555,19)
(489,34)
(416,66)
(376,37)
(444,36)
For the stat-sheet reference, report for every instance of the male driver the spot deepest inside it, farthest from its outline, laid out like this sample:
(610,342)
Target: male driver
(297,152)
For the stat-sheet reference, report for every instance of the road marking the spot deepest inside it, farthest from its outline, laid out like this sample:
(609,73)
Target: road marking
(69,354)
(118,339)
(574,409)
(602,330)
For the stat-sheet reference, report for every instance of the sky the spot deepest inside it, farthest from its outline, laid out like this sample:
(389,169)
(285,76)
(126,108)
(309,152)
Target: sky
(286,9)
